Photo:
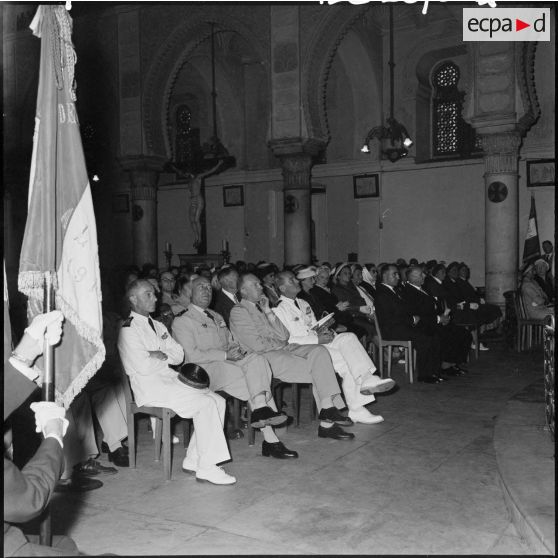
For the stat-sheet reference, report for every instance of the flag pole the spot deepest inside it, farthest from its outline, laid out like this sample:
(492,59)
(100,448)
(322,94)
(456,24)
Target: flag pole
(45,529)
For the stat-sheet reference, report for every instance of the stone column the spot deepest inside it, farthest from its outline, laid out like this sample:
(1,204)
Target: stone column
(501,214)
(501,106)
(296,157)
(144,174)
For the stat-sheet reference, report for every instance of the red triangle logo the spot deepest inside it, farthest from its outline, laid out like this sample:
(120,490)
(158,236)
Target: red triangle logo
(519,25)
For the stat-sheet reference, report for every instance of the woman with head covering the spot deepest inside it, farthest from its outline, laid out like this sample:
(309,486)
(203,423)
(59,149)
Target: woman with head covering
(535,301)
(541,277)
(330,303)
(346,291)
(364,287)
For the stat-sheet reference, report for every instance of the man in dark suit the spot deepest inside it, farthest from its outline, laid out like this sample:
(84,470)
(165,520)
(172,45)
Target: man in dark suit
(227,297)
(435,320)
(398,322)
(28,491)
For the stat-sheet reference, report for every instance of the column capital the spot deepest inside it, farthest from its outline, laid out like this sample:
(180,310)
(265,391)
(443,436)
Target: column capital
(505,142)
(142,163)
(296,146)
(144,174)
(501,152)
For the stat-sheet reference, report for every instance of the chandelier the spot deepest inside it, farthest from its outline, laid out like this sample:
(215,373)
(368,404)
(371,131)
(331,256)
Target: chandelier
(394,138)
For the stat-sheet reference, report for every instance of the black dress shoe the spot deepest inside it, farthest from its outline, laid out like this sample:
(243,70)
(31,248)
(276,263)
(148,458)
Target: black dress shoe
(119,457)
(105,448)
(335,432)
(266,416)
(333,415)
(77,483)
(277,450)
(92,468)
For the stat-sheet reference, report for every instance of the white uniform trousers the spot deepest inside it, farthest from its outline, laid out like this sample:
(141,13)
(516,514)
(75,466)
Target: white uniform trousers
(353,364)
(208,445)
(302,364)
(109,406)
(243,379)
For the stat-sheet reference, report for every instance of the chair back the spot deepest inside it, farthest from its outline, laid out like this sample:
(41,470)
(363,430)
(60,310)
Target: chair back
(519,305)
(128,393)
(378,330)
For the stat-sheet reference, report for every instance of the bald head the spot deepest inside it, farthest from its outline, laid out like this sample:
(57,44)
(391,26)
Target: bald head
(201,292)
(250,287)
(141,295)
(287,284)
(415,276)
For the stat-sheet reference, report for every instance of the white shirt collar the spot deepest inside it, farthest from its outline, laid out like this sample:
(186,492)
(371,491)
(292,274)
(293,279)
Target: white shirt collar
(140,316)
(437,280)
(389,287)
(229,295)
(416,287)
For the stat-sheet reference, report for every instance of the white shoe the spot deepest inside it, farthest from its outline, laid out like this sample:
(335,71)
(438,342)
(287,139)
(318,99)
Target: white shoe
(376,385)
(481,347)
(365,416)
(189,466)
(215,475)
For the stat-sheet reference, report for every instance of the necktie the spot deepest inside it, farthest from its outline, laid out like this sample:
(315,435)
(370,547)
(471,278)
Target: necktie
(151,325)
(209,315)
(296,303)
(235,299)
(259,307)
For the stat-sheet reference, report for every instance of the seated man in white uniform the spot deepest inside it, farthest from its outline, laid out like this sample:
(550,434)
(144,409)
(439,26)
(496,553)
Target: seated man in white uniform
(146,349)
(207,341)
(350,360)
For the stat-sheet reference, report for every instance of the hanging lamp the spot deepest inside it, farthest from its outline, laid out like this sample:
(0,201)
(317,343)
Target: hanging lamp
(394,138)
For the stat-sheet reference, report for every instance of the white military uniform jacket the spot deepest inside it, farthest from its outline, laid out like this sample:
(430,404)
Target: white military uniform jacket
(153,381)
(349,358)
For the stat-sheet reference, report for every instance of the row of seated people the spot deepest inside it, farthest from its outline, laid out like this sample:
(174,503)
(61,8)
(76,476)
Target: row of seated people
(204,338)
(241,362)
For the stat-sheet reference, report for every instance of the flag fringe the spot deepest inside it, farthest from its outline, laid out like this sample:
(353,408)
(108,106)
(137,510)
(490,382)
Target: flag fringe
(31,283)
(90,335)
(77,385)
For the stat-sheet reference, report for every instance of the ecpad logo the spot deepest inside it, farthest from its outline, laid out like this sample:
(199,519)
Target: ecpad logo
(506,24)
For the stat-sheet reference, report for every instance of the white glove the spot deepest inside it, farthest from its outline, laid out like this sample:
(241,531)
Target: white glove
(474,306)
(365,310)
(46,411)
(51,322)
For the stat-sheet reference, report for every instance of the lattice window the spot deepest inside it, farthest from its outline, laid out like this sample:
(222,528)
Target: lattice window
(451,135)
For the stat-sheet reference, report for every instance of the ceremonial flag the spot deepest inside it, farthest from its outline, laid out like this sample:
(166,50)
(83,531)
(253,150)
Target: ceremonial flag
(532,247)
(60,240)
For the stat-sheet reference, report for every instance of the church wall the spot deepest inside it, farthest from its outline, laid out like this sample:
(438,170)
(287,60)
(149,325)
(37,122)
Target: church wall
(539,143)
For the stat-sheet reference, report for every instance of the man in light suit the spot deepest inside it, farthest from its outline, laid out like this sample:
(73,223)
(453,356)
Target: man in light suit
(147,349)
(206,340)
(259,330)
(349,358)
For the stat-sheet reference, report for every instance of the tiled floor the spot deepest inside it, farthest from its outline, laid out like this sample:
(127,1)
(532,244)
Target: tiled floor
(423,482)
